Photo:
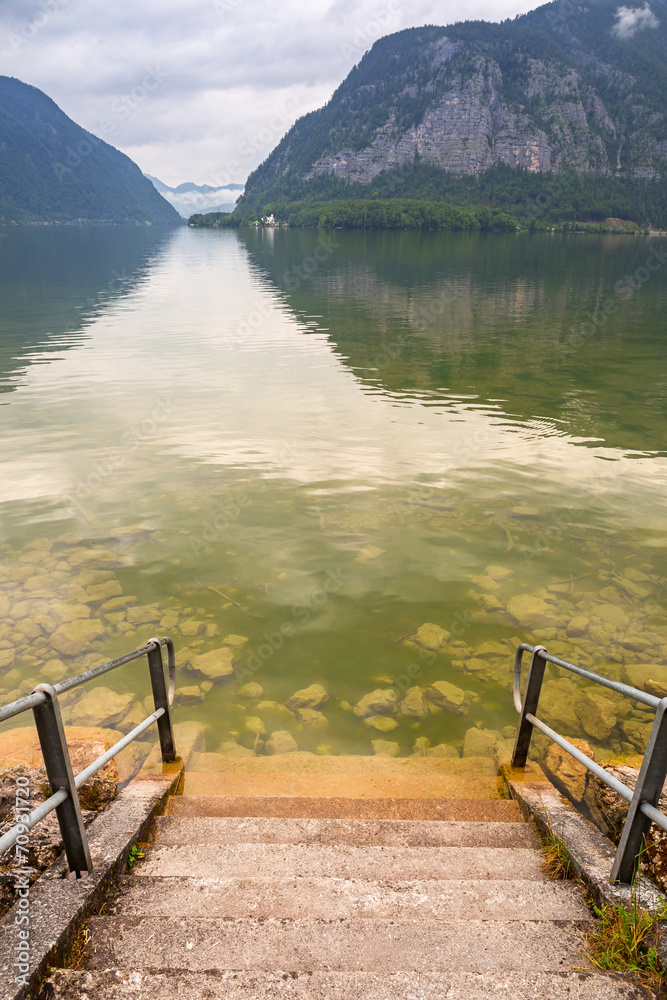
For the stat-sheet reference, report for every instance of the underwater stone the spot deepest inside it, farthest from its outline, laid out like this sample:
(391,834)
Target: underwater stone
(533,613)
(251,690)
(100,707)
(489,602)
(73,638)
(442,750)
(480,742)
(309,697)
(611,614)
(383,723)
(597,714)
(53,671)
(448,696)
(431,636)
(383,700)
(191,695)
(253,724)
(274,706)
(217,663)
(143,614)
(192,627)
(385,748)
(231,749)
(415,703)
(578,626)
(311,717)
(104,591)
(6,657)
(572,775)
(368,553)
(235,640)
(280,742)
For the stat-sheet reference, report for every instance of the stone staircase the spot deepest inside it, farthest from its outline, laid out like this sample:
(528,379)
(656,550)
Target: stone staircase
(340,878)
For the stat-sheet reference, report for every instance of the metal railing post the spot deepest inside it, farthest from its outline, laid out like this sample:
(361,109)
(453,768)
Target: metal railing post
(58,766)
(530,702)
(648,789)
(161,698)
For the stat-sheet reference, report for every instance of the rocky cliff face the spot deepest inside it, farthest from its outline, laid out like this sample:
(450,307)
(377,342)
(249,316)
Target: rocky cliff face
(560,88)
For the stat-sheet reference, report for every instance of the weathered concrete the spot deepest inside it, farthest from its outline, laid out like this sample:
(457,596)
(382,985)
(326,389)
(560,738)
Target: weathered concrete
(176,830)
(58,905)
(592,853)
(333,807)
(402,785)
(128,985)
(371,945)
(342,899)
(341,861)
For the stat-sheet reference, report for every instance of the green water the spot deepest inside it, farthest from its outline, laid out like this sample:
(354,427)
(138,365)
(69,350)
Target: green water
(260,407)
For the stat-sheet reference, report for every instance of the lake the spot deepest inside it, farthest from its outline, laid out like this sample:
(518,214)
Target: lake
(317,443)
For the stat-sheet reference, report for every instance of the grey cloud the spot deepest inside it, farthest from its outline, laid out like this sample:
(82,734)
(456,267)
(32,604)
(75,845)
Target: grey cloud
(229,78)
(630,20)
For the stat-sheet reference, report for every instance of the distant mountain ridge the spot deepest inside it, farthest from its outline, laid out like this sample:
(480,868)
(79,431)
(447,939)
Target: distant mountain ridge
(576,85)
(52,170)
(189,198)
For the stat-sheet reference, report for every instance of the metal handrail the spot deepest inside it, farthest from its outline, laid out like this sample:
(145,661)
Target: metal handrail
(64,784)
(646,794)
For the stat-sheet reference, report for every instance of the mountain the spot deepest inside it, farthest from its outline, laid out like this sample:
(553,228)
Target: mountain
(52,170)
(189,198)
(574,87)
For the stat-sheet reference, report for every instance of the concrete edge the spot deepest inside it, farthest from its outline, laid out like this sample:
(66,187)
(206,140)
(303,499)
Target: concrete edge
(59,906)
(592,853)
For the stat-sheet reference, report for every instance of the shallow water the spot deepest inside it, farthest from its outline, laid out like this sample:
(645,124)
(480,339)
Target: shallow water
(260,408)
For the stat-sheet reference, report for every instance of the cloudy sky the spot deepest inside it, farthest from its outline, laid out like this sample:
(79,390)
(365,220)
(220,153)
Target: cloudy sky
(202,90)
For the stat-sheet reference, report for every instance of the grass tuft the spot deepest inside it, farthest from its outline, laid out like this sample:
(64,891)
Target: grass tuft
(557,861)
(624,940)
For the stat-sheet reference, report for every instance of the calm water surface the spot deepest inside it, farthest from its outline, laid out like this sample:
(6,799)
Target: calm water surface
(320,443)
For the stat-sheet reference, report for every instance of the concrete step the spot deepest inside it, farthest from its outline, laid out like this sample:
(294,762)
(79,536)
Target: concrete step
(343,899)
(340,861)
(402,785)
(203,944)
(114,984)
(471,810)
(357,764)
(183,830)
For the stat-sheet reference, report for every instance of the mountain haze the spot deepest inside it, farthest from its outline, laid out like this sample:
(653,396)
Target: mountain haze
(52,170)
(574,86)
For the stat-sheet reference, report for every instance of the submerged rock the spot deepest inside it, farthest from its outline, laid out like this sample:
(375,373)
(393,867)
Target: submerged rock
(251,690)
(215,664)
(191,695)
(533,613)
(100,707)
(383,723)
(442,750)
(368,553)
(430,636)
(385,748)
(253,724)
(235,640)
(568,772)
(280,742)
(232,749)
(380,701)
(597,714)
(480,742)
(311,717)
(74,637)
(448,696)
(309,697)
(415,703)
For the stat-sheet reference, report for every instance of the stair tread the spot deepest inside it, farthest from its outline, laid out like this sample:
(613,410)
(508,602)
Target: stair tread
(336,899)
(354,764)
(372,945)
(405,784)
(182,830)
(474,810)
(125,985)
(340,861)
